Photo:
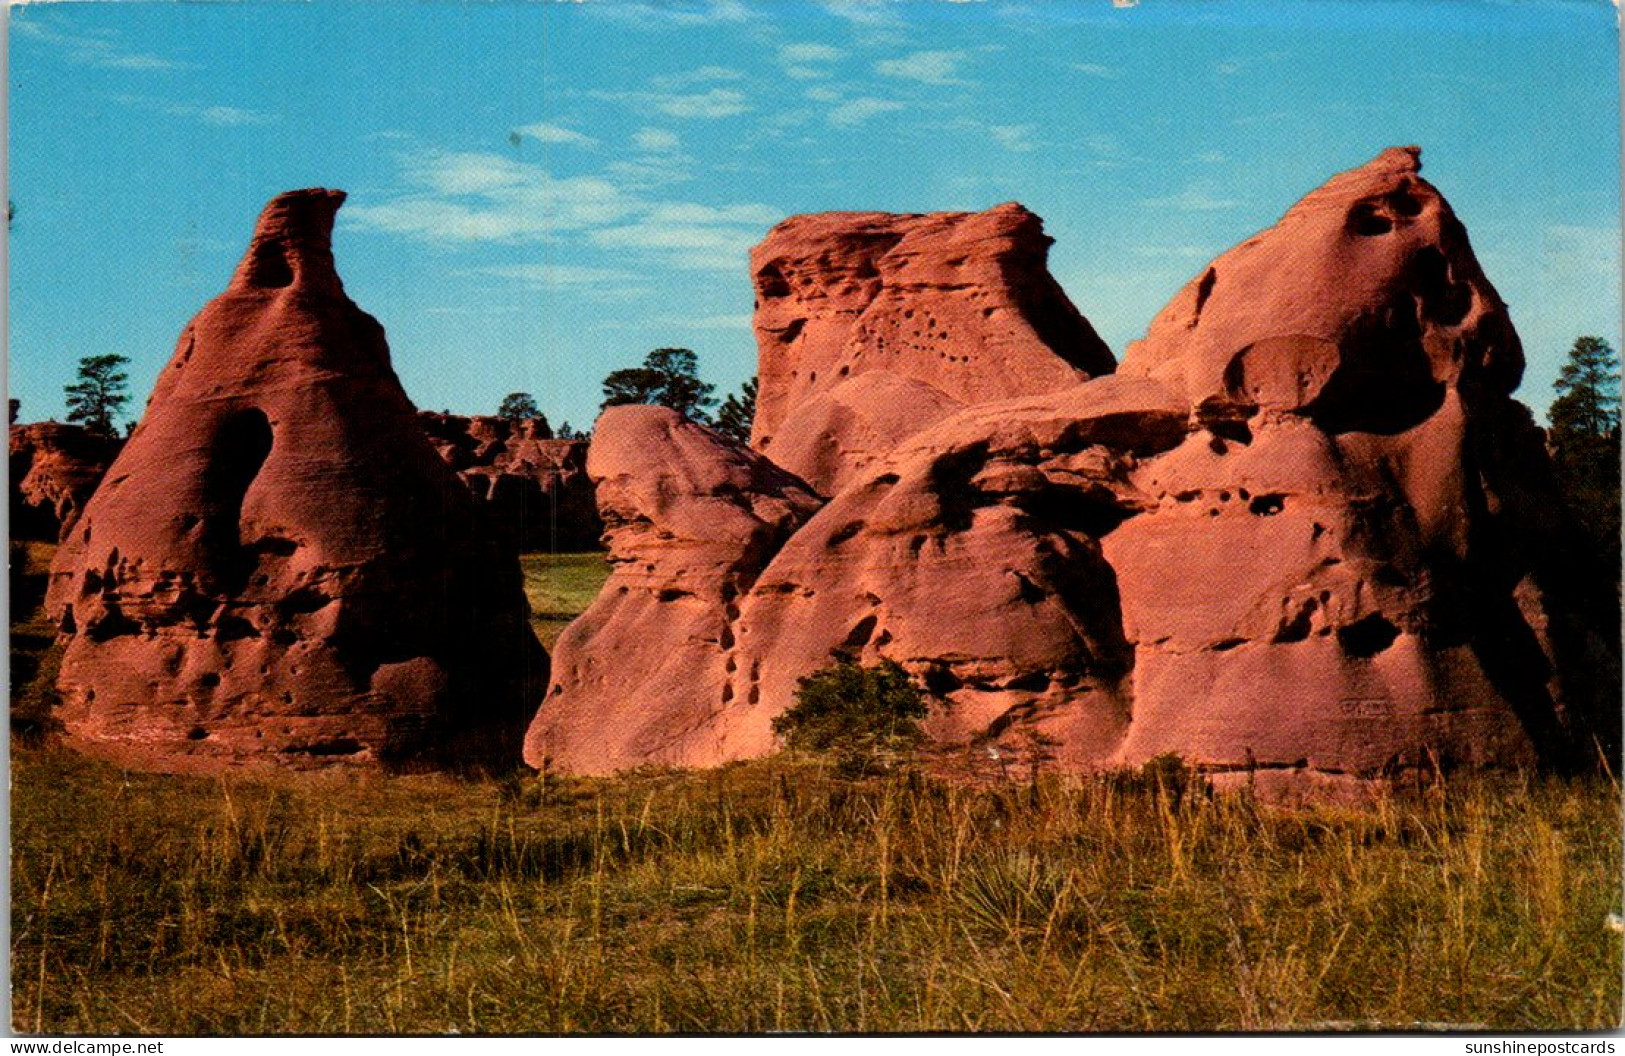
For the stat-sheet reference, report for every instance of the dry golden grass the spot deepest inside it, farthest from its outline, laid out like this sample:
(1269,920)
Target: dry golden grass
(772,896)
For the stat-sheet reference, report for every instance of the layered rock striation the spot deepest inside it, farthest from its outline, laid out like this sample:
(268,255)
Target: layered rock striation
(535,488)
(278,568)
(871,326)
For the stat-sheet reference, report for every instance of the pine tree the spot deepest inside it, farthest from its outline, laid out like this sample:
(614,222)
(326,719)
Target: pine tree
(100,393)
(1584,440)
(737,414)
(669,377)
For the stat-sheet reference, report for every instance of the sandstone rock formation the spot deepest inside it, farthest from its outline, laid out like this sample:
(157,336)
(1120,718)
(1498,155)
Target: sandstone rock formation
(1343,569)
(278,568)
(535,488)
(1304,531)
(54,470)
(971,555)
(691,519)
(871,326)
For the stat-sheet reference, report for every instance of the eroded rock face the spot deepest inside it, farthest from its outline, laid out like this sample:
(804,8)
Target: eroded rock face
(1305,532)
(278,568)
(871,326)
(1341,566)
(535,488)
(691,519)
(54,471)
(971,555)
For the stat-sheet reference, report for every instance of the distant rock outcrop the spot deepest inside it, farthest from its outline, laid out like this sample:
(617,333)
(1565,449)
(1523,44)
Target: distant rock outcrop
(1305,532)
(871,326)
(535,488)
(692,519)
(278,569)
(54,470)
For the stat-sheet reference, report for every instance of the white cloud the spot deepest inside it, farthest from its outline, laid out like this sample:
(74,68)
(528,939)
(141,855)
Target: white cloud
(857,111)
(861,12)
(703,75)
(718,102)
(1017,138)
(461,199)
(1227,69)
(800,53)
(657,140)
(559,275)
(88,49)
(824,95)
(224,116)
(927,67)
(545,133)
(657,15)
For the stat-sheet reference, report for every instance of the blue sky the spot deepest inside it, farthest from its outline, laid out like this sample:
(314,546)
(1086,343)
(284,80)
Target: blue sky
(542,192)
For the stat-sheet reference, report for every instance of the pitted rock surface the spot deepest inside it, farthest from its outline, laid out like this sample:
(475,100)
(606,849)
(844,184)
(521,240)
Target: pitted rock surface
(691,519)
(958,308)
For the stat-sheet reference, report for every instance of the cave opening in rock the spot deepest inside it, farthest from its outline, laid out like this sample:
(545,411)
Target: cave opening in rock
(241,445)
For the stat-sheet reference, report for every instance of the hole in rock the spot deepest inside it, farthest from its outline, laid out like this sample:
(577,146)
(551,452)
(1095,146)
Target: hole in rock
(859,635)
(196,733)
(1368,219)
(1405,203)
(208,680)
(1367,636)
(1267,505)
(269,268)
(940,680)
(241,444)
(770,282)
(845,532)
(1443,300)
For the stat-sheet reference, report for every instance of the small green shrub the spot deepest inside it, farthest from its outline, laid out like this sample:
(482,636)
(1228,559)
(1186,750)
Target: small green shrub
(867,716)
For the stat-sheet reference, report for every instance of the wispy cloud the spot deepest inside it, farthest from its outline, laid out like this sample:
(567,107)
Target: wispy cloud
(807,62)
(856,111)
(459,199)
(1015,138)
(718,102)
(715,103)
(703,75)
(657,140)
(554,276)
(100,50)
(1095,69)
(546,133)
(927,67)
(862,12)
(660,14)
(223,116)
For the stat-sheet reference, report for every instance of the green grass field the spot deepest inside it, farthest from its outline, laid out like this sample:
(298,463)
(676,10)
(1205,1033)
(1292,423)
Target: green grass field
(559,587)
(774,896)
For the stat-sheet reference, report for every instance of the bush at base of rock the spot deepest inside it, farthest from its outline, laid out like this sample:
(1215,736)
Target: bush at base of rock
(868,716)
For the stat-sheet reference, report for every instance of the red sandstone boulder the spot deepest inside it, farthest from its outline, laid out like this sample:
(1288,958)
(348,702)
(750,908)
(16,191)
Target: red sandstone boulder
(535,488)
(971,556)
(691,519)
(950,309)
(54,470)
(1342,571)
(278,568)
